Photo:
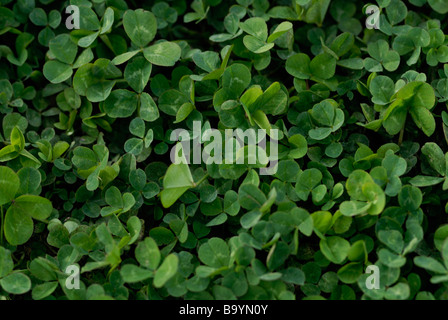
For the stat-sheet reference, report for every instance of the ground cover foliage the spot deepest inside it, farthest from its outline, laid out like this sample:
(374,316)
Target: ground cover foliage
(86,179)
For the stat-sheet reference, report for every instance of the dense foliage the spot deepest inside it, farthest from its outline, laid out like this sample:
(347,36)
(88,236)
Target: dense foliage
(86,179)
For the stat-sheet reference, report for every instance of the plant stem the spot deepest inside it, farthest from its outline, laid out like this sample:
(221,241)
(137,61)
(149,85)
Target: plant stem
(202,180)
(400,139)
(120,81)
(1,225)
(209,113)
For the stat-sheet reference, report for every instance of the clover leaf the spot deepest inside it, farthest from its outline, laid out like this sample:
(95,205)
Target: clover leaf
(366,196)
(18,221)
(381,57)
